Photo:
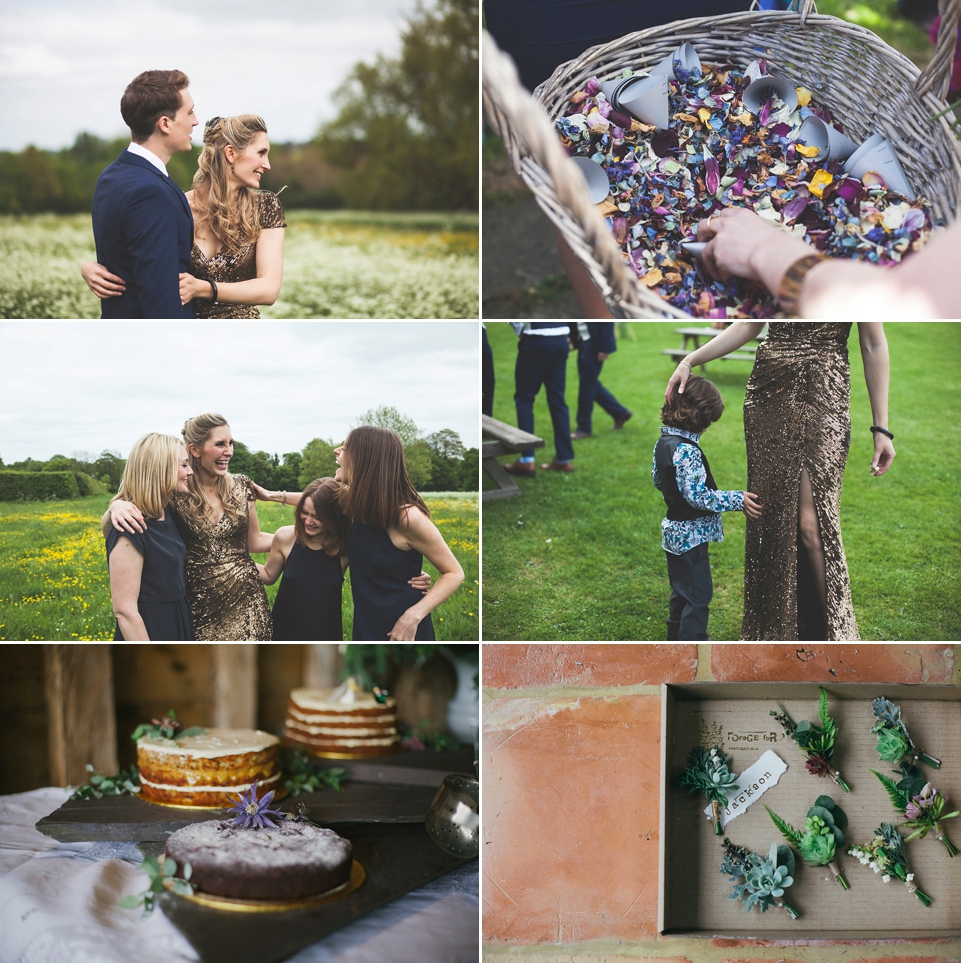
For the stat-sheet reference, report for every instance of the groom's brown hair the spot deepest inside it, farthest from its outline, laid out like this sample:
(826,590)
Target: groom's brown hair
(696,409)
(150,96)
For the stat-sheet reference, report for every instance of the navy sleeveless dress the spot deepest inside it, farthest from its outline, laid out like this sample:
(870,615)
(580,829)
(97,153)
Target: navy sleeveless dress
(162,601)
(308,603)
(379,571)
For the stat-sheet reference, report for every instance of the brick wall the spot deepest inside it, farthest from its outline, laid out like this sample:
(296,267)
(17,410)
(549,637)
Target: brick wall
(571,749)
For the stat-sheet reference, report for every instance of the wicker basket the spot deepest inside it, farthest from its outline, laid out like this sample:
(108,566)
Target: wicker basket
(868,86)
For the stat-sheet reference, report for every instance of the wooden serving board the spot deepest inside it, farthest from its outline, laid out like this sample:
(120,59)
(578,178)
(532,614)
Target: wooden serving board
(414,767)
(131,819)
(397,858)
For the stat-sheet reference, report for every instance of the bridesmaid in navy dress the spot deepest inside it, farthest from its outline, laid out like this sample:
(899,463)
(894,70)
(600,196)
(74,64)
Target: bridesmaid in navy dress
(312,554)
(390,535)
(147,584)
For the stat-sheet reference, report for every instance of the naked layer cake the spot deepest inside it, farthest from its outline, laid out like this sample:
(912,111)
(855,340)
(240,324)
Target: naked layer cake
(209,769)
(342,722)
(289,861)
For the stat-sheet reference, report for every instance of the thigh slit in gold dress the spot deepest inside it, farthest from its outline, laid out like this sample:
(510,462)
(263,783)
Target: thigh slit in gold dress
(797,416)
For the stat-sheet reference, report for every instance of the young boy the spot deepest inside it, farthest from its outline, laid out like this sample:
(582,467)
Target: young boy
(694,505)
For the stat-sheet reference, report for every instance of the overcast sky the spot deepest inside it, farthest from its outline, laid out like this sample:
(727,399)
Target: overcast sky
(64,64)
(87,386)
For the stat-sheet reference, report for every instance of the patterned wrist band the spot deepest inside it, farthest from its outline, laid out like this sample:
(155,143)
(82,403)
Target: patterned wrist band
(790,290)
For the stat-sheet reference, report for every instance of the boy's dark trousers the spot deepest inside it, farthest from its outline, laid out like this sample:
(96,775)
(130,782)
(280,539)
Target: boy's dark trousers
(691,592)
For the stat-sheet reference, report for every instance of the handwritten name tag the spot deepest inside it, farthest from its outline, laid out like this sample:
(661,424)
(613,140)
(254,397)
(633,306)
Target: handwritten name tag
(753,783)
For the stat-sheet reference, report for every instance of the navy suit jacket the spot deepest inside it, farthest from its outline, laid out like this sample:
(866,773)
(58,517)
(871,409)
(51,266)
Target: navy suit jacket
(602,340)
(144,231)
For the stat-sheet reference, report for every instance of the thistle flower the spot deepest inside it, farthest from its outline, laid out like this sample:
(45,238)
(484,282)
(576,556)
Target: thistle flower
(251,812)
(924,807)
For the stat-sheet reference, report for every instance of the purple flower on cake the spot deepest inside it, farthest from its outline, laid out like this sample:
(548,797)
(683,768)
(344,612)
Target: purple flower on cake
(251,812)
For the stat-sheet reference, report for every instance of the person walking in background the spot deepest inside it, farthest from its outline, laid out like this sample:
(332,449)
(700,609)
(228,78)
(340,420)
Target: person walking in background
(542,351)
(596,342)
(487,374)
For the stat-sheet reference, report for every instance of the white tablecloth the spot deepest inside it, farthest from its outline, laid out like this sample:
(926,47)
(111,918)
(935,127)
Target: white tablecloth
(58,904)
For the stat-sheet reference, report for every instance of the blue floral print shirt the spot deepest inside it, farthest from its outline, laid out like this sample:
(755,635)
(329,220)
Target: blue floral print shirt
(680,537)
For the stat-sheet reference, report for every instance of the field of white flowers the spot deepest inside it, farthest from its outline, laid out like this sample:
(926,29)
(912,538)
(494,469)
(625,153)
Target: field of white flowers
(337,264)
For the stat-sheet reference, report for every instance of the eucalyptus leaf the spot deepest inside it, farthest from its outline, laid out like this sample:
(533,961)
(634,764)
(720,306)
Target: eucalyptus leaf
(188,870)
(170,866)
(132,901)
(151,866)
(825,814)
(182,887)
(825,801)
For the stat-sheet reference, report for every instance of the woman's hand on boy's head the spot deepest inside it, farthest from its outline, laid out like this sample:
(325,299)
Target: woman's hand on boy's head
(752,505)
(678,379)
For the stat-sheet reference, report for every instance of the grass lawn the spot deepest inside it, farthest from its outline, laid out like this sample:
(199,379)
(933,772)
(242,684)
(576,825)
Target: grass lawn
(578,556)
(54,583)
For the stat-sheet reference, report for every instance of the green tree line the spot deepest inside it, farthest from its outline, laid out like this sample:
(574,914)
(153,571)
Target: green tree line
(435,462)
(405,137)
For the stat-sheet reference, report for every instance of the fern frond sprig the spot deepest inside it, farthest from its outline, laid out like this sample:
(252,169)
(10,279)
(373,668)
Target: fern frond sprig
(816,742)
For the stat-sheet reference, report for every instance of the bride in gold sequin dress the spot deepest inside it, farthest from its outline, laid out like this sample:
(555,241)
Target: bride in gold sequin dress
(237,258)
(217,519)
(797,426)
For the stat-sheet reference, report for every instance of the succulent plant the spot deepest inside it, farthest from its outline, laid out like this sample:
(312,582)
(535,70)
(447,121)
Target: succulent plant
(709,774)
(894,740)
(822,835)
(765,879)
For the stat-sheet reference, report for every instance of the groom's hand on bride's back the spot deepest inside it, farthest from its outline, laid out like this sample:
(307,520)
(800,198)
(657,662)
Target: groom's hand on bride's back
(101,281)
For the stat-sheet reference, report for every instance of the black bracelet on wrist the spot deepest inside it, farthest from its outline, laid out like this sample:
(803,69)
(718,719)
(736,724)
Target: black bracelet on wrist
(213,286)
(883,431)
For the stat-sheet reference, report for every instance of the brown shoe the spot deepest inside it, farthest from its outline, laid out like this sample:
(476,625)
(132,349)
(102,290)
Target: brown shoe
(578,435)
(556,465)
(525,468)
(620,422)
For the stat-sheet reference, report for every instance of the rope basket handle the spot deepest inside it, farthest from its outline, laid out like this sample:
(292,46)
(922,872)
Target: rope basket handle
(935,77)
(510,110)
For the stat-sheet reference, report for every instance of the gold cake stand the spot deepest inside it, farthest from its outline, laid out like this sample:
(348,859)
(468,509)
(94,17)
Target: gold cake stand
(280,793)
(356,880)
(392,751)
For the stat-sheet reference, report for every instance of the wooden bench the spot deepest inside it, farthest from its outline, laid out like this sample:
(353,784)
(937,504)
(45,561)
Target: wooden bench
(505,440)
(694,335)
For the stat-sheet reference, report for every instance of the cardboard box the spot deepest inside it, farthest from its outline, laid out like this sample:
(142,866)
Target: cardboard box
(694,893)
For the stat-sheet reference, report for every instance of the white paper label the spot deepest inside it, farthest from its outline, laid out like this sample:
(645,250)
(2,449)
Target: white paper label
(753,783)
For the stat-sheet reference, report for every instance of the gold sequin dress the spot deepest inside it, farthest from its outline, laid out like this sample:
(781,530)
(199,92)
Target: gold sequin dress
(796,416)
(227,598)
(227,268)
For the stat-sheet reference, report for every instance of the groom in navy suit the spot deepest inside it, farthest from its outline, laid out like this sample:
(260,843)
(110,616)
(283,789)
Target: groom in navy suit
(141,220)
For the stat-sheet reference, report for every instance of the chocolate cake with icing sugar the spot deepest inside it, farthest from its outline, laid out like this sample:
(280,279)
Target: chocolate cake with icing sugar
(207,770)
(344,722)
(292,860)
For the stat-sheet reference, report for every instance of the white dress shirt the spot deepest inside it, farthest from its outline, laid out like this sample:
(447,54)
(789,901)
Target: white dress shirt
(149,155)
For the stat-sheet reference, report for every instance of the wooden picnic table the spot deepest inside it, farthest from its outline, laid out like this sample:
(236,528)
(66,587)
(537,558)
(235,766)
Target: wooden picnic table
(505,440)
(695,334)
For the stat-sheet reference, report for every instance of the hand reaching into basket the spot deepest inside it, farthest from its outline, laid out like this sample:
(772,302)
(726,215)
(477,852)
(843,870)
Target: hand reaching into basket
(926,285)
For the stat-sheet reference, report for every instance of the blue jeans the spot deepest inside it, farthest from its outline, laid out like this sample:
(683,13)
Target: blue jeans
(591,390)
(691,593)
(543,361)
